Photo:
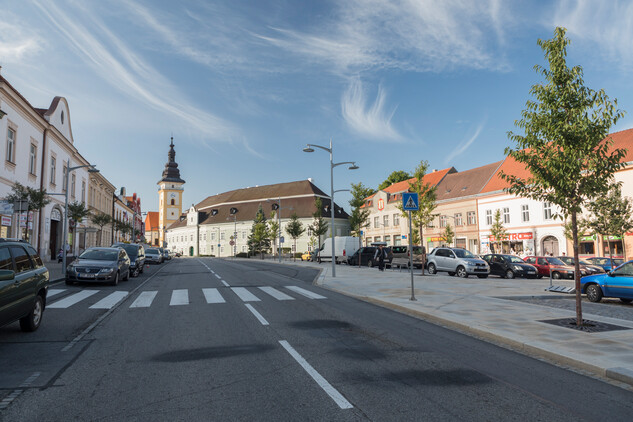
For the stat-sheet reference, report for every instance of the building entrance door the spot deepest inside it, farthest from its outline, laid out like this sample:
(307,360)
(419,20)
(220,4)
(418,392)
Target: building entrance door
(53,243)
(191,251)
(550,245)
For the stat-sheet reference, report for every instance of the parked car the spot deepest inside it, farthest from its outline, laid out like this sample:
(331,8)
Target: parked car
(166,254)
(457,261)
(136,253)
(547,264)
(23,285)
(605,262)
(96,264)
(401,255)
(366,255)
(615,283)
(306,256)
(153,256)
(589,268)
(509,266)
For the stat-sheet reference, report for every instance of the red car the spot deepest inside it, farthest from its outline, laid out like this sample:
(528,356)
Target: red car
(545,264)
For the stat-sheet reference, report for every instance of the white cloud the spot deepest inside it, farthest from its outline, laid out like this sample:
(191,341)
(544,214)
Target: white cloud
(461,148)
(371,121)
(15,42)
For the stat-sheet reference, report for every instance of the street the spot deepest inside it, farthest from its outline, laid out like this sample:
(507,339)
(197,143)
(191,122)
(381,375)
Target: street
(215,339)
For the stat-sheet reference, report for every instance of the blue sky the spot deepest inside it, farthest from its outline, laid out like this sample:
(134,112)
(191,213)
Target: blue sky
(244,85)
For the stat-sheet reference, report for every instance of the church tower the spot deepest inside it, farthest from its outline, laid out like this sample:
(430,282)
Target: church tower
(170,189)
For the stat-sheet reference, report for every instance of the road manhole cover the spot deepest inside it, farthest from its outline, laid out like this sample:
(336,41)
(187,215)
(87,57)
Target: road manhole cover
(587,325)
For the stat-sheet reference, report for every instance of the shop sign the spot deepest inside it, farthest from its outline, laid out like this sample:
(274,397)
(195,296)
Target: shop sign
(434,239)
(588,238)
(614,237)
(6,207)
(381,204)
(514,236)
(6,221)
(22,220)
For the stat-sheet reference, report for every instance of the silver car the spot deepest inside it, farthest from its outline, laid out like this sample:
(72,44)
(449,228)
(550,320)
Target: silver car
(457,261)
(99,265)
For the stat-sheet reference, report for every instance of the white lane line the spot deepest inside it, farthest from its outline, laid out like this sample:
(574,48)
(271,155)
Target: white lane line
(144,300)
(72,299)
(110,300)
(217,276)
(326,386)
(276,293)
(245,295)
(257,314)
(179,297)
(225,283)
(53,292)
(213,296)
(306,293)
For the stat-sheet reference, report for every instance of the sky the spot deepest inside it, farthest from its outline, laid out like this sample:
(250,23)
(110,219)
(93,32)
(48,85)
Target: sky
(243,86)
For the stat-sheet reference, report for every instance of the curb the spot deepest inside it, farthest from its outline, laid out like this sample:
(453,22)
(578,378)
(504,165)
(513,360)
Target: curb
(619,374)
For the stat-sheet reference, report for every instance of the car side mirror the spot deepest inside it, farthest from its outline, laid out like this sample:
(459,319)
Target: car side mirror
(610,274)
(6,275)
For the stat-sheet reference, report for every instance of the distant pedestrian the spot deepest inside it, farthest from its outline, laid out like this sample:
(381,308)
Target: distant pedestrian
(380,256)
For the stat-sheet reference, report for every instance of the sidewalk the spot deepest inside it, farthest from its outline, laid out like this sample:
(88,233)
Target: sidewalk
(482,307)
(54,271)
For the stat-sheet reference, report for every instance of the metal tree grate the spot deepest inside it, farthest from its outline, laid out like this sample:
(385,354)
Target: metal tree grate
(587,325)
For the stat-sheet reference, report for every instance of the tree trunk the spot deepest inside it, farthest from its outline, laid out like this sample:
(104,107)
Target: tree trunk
(610,251)
(574,231)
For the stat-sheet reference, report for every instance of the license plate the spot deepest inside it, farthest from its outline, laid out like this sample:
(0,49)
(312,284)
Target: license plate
(531,272)
(86,275)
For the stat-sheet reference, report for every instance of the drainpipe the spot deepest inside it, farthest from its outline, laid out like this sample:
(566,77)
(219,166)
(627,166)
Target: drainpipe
(42,174)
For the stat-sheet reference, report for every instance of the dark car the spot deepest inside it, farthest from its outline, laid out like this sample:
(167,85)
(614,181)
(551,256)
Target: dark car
(96,264)
(153,256)
(23,285)
(366,255)
(615,283)
(136,253)
(548,264)
(509,266)
(589,268)
(606,263)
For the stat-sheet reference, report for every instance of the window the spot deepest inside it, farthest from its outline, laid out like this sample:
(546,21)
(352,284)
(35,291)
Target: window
(388,240)
(204,236)
(443,220)
(83,191)
(396,219)
(213,236)
(191,236)
(489,217)
(471,218)
(53,168)
(22,261)
(376,223)
(72,185)
(222,236)
(64,172)
(458,219)
(547,210)
(525,213)
(32,159)
(506,216)
(5,259)
(385,220)
(173,202)
(11,146)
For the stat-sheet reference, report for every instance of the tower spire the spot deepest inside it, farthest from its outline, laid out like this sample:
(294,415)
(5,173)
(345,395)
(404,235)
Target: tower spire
(171,172)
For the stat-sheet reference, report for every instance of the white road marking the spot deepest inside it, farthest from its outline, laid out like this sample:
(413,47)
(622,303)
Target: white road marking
(110,300)
(276,293)
(326,386)
(306,293)
(179,297)
(213,296)
(225,283)
(244,294)
(257,314)
(144,300)
(217,276)
(53,292)
(72,299)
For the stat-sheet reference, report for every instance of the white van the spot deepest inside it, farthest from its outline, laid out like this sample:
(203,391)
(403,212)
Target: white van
(345,246)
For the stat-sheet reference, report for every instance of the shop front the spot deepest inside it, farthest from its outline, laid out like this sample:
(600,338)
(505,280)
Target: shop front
(514,244)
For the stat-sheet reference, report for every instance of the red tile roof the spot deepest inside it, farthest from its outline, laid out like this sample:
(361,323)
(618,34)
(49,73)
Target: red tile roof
(432,179)
(151,221)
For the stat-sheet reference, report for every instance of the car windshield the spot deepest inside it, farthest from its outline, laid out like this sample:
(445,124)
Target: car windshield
(618,261)
(131,250)
(463,253)
(99,255)
(585,262)
(152,251)
(516,259)
(555,261)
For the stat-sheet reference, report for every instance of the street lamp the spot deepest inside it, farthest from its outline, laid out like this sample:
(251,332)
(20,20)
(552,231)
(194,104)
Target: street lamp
(353,166)
(278,209)
(91,169)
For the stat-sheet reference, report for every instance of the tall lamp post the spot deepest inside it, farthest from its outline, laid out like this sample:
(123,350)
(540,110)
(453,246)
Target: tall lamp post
(353,166)
(91,169)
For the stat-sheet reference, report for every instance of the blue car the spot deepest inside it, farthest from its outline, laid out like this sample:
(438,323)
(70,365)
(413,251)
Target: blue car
(605,262)
(616,283)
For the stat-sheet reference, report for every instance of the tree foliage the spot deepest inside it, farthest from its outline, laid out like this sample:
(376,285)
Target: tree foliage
(273,228)
(100,219)
(563,146)
(426,200)
(77,211)
(259,239)
(359,217)
(394,177)
(498,231)
(448,235)
(37,198)
(295,229)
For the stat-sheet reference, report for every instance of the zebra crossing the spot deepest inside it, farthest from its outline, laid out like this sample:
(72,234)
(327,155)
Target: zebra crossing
(178,297)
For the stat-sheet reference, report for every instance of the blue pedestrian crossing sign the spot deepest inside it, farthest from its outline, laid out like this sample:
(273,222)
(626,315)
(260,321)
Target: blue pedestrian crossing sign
(410,202)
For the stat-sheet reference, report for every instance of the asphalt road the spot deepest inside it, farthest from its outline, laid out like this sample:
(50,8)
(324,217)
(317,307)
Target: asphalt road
(212,339)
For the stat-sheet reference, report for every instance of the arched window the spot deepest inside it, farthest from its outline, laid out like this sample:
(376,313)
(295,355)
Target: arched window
(173,202)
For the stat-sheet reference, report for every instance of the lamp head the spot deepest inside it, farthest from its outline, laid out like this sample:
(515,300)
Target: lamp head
(93,170)
(308,149)
(353,167)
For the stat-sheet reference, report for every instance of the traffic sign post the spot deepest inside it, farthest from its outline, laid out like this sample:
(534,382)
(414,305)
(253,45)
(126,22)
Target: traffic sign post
(410,202)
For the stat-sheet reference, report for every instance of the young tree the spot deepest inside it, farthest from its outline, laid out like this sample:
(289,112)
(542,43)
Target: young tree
(259,239)
(77,211)
(319,225)
(359,217)
(394,177)
(563,146)
(448,235)
(273,228)
(610,216)
(294,230)
(36,198)
(101,220)
(498,231)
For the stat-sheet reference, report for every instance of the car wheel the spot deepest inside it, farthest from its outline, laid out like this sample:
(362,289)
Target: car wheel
(510,274)
(127,275)
(594,293)
(116,279)
(556,276)
(482,275)
(370,263)
(32,321)
(625,300)
(432,269)
(461,272)
(136,272)
(539,276)
(452,274)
